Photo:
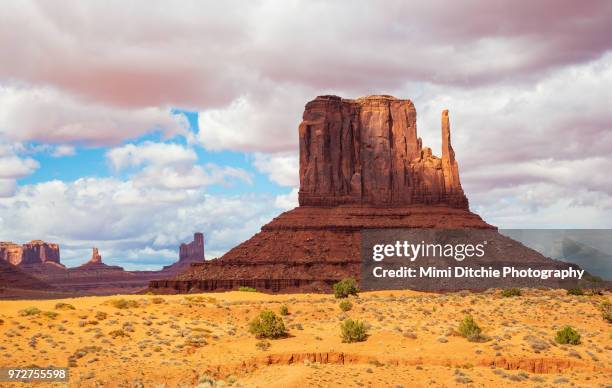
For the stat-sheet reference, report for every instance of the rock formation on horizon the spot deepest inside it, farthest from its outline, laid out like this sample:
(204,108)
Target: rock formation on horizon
(95,263)
(366,151)
(33,253)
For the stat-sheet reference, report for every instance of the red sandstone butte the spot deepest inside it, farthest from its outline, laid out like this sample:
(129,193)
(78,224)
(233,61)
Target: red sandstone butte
(362,166)
(366,151)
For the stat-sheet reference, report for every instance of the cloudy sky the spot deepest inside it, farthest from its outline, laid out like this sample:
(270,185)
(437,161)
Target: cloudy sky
(130,125)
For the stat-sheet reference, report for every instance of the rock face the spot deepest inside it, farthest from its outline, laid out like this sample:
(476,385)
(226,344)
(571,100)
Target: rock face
(11,277)
(30,254)
(193,251)
(366,151)
(10,252)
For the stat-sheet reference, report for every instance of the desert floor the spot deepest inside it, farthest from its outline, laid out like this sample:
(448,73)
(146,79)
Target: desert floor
(203,340)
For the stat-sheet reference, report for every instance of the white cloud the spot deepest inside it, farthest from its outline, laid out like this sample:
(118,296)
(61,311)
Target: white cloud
(13,167)
(150,153)
(49,115)
(282,168)
(125,221)
(171,166)
(287,201)
(63,150)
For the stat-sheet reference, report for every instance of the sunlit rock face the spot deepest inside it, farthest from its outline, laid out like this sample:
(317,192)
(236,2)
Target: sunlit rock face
(367,152)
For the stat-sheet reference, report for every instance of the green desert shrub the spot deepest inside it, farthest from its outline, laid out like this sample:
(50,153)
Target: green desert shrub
(469,329)
(64,306)
(345,305)
(30,311)
(568,335)
(606,310)
(575,291)
(50,314)
(510,292)
(345,287)
(247,289)
(353,331)
(268,325)
(124,303)
(284,310)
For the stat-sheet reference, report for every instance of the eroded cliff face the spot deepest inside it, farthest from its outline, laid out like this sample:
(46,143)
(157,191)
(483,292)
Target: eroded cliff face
(33,253)
(366,152)
(11,252)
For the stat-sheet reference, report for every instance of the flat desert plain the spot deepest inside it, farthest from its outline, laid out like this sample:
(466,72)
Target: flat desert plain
(203,340)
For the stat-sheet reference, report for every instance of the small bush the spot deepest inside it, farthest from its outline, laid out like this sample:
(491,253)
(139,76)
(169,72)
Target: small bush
(284,310)
(263,345)
(29,311)
(575,291)
(469,329)
(568,335)
(345,287)
(510,292)
(606,310)
(246,289)
(345,305)
(123,303)
(118,333)
(64,306)
(101,315)
(353,331)
(158,300)
(268,325)
(50,314)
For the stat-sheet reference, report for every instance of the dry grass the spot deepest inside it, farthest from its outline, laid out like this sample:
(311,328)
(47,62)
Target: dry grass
(412,339)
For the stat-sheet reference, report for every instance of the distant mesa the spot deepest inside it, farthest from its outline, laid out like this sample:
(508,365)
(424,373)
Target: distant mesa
(36,265)
(36,252)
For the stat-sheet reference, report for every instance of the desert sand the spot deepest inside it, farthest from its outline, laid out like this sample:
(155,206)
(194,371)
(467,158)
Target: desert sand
(202,340)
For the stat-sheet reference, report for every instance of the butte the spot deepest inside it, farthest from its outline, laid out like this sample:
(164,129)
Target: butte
(362,166)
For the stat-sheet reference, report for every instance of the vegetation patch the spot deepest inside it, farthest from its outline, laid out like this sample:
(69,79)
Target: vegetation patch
(469,329)
(30,311)
(50,314)
(345,305)
(606,310)
(247,289)
(284,310)
(575,291)
(568,335)
(124,303)
(64,306)
(268,325)
(345,287)
(511,292)
(118,333)
(263,345)
(353,331)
